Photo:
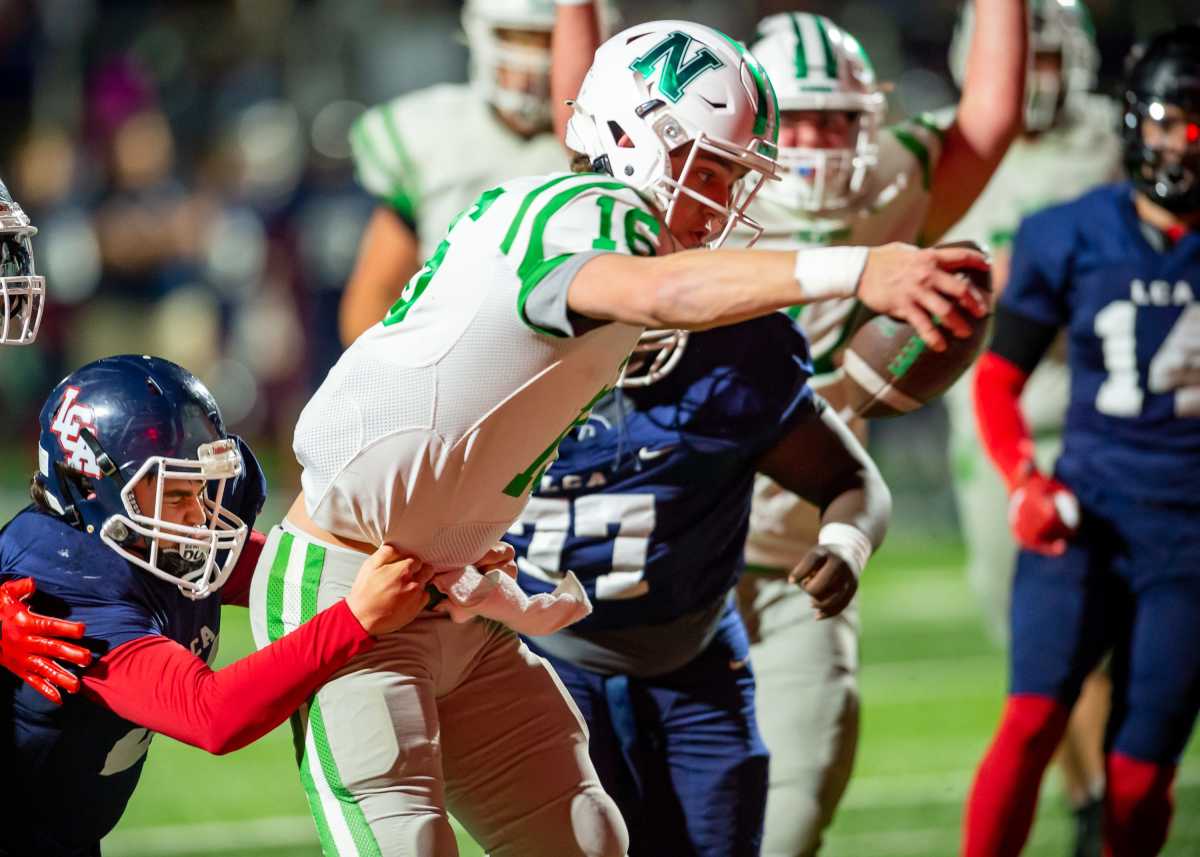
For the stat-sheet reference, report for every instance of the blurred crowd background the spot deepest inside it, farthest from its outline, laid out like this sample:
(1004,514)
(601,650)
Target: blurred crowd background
(187,164)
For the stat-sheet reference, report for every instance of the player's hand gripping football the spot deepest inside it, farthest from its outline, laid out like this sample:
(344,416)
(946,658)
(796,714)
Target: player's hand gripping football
(389,590)
(29,642)
(918,286)
(828,578)
(1042,512)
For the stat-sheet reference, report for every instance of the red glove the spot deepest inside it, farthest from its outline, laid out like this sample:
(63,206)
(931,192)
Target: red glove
(1042,512)
(27,643)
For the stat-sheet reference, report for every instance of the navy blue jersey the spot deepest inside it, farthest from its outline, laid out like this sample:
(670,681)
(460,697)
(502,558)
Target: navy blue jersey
(649,500)
(1133,326)
(78,763)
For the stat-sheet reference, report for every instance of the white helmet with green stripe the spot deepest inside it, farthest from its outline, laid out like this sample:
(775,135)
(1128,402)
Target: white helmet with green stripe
(661,85)
(815,65)
(1062,27)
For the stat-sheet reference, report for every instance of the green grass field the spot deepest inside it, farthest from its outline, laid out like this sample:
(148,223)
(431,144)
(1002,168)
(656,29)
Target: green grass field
(932,688)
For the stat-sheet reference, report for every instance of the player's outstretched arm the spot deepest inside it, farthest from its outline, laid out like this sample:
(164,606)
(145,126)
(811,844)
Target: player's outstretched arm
(30,643)
(573,43)
(158,684)
(989,113)
(387,259)
(699,289)
(822,461)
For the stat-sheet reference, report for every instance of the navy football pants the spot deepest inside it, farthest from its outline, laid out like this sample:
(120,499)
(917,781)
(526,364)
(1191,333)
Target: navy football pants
(1128,583)
(680,753)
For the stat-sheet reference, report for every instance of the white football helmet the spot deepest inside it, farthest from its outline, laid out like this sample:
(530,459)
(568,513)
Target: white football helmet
(1055,26)
(815,65)
(660,86)
(22,291)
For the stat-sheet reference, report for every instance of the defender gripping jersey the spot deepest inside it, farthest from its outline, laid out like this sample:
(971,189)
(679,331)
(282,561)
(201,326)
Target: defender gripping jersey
(1133,328)
(433,427)
(81,755)
(428,177)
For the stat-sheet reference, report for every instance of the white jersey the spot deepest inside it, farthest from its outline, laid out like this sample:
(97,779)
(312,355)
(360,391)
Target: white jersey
(433,426)
(428,177)
(892,207)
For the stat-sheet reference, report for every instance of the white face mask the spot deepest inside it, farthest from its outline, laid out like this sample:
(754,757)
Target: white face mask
(22,291)
(190,556)
(1043,89)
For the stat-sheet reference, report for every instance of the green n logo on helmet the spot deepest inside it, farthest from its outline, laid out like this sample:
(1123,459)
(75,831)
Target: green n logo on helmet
(676,75)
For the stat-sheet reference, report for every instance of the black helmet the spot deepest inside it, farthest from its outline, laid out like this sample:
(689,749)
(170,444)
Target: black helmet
(1163,72)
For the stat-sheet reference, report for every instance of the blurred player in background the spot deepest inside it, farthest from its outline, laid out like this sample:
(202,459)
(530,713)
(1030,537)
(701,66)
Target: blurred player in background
(435,424)
(849,180)
(1069,145)
(428,155)
(22,291)
(1109,541)
(142,506)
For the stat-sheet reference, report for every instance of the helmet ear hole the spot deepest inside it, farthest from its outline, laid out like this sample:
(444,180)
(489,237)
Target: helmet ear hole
(619,136)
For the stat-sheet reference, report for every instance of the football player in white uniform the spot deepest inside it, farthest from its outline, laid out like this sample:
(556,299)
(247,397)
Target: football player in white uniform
(432,427)
(1069,145)
(22,291)
(423,171)
(849,181)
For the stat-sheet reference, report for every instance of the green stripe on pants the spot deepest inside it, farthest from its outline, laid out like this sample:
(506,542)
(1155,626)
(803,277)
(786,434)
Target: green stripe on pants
(275,587)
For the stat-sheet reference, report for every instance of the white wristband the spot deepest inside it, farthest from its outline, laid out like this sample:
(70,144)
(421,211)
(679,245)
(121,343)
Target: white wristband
(829,272)
(851,543)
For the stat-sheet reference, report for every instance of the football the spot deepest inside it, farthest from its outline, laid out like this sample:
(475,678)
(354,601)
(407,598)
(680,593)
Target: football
(889,370)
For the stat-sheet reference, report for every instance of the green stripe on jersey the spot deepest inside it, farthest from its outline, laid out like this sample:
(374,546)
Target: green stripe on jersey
(535,266)
(401,182)
(513,229)
(275,584)
(926,121)
(918,150)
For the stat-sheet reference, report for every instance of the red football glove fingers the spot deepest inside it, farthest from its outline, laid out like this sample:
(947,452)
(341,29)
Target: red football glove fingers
(1042,512)
(25,648)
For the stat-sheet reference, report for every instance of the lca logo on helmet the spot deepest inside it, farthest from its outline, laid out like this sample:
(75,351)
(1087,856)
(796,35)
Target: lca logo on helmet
(71,417)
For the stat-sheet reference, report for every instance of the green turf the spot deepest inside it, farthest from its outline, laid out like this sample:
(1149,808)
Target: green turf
(932,688)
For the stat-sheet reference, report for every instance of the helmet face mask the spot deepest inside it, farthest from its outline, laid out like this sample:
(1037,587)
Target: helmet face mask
(1161,127)
(188,555)
(22,291)
(822,75)
(133,451)
(509,42)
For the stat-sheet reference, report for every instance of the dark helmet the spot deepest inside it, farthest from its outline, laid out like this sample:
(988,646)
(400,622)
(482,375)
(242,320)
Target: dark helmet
(121,421)
(22,292)
(1164,72)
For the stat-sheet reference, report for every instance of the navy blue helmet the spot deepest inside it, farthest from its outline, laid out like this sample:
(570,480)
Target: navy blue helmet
(1162,86)
(129,425)
(22,291)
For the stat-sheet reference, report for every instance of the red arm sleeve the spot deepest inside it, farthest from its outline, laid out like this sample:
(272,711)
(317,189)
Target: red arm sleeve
(1002,427)
(157,683)
(237,588)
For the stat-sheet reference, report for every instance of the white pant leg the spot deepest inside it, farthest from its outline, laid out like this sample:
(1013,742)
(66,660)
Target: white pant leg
(516,759)
(808,708)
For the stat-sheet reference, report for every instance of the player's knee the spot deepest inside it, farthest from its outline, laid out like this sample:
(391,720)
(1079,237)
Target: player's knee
(1033,725)
(1138,805)
(597,825)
